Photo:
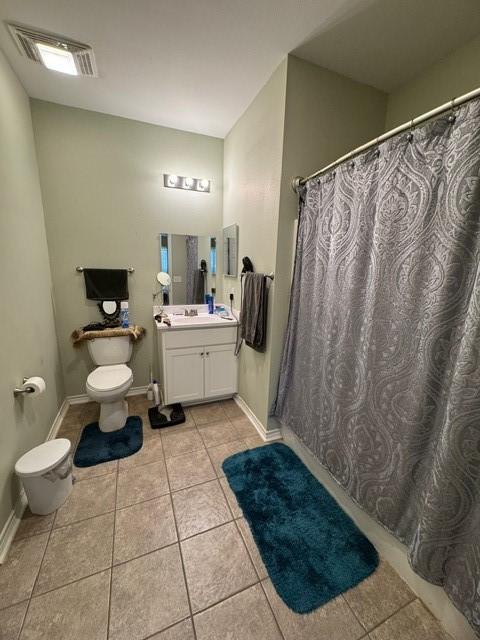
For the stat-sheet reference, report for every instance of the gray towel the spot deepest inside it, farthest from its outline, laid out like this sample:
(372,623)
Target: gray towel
(198,287)
(253,321)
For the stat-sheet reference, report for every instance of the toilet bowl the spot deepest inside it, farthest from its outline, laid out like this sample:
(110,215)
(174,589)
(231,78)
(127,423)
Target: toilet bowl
(109,383)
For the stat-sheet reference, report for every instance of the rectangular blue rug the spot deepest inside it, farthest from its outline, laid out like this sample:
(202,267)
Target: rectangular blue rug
(312,550)
(97,446)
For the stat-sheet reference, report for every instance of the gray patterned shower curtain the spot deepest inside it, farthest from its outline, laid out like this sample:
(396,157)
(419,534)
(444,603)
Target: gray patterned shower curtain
(380,376)
(192,267)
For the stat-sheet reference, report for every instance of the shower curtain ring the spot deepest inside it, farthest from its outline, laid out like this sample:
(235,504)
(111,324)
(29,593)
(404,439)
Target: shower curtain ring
(410,133)
(452,117)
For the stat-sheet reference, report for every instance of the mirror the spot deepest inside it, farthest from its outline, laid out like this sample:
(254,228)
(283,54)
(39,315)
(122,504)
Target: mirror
(230,251)
(190,262)
(164,279)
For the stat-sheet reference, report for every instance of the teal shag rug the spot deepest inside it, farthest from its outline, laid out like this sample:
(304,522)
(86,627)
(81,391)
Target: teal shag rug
(312,550)
(97,446)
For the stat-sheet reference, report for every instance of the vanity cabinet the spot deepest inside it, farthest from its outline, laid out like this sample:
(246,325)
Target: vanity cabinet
(197,364)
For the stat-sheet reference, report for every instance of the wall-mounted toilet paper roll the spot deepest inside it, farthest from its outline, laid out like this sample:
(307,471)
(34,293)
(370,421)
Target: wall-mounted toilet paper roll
(37,383)
(33,386)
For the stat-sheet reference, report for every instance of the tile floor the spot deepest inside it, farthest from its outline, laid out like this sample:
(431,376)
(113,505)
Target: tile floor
(155,546)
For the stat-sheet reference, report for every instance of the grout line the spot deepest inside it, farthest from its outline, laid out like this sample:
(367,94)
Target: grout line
(171,626)
(391,615)
(36,579)
(113,550)
(230,595)
(270,604)
(179,547)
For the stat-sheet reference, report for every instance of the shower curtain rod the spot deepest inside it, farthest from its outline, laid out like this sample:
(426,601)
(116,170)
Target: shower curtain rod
(455,102)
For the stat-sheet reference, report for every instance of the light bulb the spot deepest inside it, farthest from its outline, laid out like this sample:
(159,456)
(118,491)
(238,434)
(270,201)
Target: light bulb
(204,184)
(188,183)
(172,180)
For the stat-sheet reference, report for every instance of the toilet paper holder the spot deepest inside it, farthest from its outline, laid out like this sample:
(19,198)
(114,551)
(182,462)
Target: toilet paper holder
(18,392)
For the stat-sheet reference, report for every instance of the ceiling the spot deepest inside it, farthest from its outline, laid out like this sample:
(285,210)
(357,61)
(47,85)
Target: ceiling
(196,65)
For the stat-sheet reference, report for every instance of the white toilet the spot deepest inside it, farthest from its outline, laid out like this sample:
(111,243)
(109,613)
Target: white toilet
(109,383)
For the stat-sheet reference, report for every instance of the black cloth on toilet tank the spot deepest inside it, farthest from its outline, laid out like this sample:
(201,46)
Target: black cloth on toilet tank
(106,284)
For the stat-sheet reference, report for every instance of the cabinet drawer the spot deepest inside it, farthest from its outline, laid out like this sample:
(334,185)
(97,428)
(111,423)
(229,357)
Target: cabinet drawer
(177,339)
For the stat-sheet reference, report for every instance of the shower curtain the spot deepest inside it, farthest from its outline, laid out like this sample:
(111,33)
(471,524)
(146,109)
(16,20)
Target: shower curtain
(192,266)
(380,375)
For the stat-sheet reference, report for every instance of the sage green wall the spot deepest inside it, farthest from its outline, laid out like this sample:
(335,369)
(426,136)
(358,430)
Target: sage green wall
(326,116)
(303,118)
(105,204)
(453,76)
(252,173)
(28,345)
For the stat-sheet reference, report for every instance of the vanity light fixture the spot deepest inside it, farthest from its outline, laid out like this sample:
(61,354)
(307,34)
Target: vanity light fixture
(172,181)
(184,182)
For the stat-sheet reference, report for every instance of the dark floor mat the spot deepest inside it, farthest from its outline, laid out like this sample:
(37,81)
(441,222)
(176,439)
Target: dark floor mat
(168,417)
(97,446)
(311,548)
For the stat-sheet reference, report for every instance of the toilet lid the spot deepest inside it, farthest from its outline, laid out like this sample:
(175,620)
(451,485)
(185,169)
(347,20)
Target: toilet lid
(41,459)
(109,377)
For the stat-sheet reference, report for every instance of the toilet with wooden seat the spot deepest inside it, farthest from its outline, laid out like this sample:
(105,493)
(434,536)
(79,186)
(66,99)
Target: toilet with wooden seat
(109,383)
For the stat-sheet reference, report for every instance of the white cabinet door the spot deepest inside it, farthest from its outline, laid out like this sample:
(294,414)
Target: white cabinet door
(220,370)
(184,374)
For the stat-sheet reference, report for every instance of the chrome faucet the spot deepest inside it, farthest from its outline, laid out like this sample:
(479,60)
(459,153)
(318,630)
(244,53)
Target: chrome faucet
(190,313)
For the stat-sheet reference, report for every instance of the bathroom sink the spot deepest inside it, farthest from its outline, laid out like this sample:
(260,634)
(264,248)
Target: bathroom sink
(204,319)
(195,320)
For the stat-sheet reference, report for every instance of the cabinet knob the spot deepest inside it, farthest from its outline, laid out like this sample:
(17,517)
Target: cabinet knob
(207,353)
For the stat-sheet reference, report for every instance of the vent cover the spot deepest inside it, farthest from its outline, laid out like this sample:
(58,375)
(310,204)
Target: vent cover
(26,38)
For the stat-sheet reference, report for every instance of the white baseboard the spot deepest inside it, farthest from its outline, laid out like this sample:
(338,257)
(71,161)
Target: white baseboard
(83,398)
(13,521)
(10,529)
(267,435)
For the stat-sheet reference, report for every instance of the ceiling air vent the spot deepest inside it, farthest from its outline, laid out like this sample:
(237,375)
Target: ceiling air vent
(55,52)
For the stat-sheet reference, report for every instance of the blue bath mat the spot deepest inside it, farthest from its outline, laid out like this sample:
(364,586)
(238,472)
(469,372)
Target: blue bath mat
(97,446)
(312,550)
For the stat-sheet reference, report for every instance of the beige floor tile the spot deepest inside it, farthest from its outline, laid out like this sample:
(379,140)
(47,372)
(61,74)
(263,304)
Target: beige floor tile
(216,566)
(413,622)
(231,498)
(206,413)
(148,595)
(377,597)
(332,621)
(141,483)
(11,621)
(143,527)
(244,428)
(76,551)
(181,631)
(200,508)
(218,433)
(70,429)
(241,617)
(18,573)
(75,612)
(32,524)
(252,548)
(176,443)
(151,451)
(232,409)
(223,451)
(189,469)
(84,473)
(255,441)
(89,498)
(139,403)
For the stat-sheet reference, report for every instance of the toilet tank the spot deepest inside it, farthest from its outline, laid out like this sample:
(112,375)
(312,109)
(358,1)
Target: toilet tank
(115,350)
